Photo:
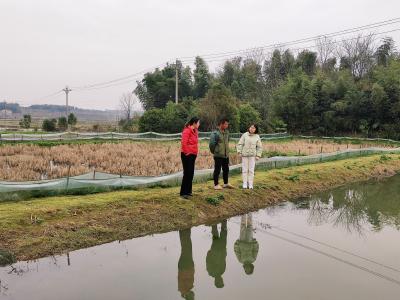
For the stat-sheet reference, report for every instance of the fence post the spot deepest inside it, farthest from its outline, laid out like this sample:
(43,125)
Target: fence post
(94,174)
(69,170)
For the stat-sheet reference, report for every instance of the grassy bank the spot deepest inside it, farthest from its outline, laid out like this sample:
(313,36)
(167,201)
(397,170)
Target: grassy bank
(41,227)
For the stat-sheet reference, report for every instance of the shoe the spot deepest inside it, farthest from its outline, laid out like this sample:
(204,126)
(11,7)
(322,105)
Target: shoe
(228,186)
(186,197)
(244,186)
(217,187)
(251,187)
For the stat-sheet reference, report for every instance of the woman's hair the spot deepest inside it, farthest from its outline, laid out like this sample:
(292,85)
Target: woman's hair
(255,125)
(192,121)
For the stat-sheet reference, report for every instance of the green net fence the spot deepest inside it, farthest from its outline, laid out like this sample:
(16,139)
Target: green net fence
(68,136)
(99,181)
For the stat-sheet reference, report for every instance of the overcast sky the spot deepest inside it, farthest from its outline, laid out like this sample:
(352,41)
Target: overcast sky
(46,44)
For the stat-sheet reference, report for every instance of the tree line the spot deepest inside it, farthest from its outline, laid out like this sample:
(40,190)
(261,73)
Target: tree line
(338,88)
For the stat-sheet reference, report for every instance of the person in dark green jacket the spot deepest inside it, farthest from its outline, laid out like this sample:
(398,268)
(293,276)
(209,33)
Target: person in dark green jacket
(216,256)
(219,147)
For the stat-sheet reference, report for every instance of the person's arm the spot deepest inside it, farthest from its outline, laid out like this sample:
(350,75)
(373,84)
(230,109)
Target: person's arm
(185,141)
(259,148)
(240,145)
(213,142)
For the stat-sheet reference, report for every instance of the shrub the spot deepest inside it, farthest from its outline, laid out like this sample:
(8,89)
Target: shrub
(49,125)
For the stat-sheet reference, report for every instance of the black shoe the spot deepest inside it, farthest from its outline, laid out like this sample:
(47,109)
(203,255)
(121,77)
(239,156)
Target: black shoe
(186,197)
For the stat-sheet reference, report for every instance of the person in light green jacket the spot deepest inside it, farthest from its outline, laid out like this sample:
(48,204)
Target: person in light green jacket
(250,149)
(246,246)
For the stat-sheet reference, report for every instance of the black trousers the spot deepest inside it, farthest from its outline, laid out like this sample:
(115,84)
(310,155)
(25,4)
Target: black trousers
(224,164)
(188,172)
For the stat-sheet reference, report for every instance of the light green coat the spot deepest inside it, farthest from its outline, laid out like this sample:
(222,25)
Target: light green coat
(250,145)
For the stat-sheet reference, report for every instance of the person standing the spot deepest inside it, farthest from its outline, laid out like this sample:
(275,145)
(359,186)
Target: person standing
(189,151)
(246,246)
(186,266)
(250,149)
(219,147)
(216,256)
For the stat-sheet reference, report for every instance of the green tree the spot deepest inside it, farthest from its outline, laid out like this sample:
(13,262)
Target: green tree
(307,61)
(152,120)
(247,116)
(72,120)
(49,125)
(26,121)
(294,103)
(202,78)
(157,88)
(219,103)
(62,123)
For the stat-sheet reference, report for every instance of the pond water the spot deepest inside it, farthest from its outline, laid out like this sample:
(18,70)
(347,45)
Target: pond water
(341,244)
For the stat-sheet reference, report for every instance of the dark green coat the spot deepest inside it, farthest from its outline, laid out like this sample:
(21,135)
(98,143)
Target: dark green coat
(219,143)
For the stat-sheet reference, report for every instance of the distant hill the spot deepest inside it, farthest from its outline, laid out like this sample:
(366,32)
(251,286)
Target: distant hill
(43,111)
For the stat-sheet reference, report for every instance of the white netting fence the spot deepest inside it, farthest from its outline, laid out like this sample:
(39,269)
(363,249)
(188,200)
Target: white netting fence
(103,181)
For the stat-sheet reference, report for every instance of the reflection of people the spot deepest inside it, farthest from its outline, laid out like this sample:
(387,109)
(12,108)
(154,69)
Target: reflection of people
(246,247)
(216,256)
(186,266)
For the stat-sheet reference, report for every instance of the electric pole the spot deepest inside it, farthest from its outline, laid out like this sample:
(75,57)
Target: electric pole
(66,90)
(176,81)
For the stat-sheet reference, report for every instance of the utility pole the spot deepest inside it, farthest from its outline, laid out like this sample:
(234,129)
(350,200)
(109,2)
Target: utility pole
(176,81)
(66,90)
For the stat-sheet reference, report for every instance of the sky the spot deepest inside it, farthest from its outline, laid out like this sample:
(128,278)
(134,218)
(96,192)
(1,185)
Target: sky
(48,44)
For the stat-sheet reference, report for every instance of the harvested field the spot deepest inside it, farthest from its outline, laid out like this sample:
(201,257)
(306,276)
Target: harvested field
(22,162)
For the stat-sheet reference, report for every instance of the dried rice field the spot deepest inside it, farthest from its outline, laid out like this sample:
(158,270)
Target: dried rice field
(22,162)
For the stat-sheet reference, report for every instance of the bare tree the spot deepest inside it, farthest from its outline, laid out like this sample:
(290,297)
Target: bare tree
(359,53)
(256,54)
(127,104)
(325,49)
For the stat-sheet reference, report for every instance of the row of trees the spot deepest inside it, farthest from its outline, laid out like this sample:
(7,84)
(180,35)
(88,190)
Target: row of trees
(59,124)
(347,87)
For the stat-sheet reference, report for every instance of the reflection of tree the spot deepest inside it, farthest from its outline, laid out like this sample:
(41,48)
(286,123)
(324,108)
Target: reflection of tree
(246,247)
(3,288)
(216,256)
(374,203)
(319,213)
(186,266)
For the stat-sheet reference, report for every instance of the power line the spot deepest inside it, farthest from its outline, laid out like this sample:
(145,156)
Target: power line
(118,79)
(304,48)
(303,40)
(214,57)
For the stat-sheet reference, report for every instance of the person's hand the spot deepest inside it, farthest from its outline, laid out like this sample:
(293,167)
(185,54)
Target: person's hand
(257,158)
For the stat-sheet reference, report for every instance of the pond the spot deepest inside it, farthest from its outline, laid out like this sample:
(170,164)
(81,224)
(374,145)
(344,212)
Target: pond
(340,244)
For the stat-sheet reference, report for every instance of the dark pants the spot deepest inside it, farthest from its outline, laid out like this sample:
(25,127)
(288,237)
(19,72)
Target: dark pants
(188,172)
(224,164)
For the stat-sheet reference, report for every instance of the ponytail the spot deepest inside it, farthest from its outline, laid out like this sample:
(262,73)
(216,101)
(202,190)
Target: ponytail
(192,121)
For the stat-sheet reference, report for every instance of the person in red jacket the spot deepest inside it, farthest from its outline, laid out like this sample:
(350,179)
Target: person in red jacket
(189,151)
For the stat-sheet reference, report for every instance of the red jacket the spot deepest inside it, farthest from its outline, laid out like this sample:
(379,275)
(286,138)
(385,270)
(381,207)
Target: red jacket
(190,141)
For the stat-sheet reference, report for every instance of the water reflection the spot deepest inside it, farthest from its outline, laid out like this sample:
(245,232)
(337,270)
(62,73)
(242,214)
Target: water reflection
(216,256)
(355,206)
(186,266)
(246,247)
